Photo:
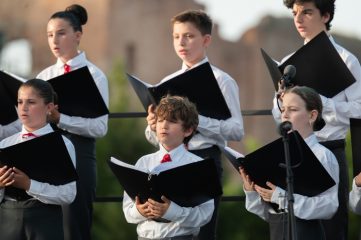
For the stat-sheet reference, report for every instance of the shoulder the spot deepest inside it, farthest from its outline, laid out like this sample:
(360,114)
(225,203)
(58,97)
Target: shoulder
(47,73)
(324,154)
(222,77)
(95,71)
(9,141)
(346,55)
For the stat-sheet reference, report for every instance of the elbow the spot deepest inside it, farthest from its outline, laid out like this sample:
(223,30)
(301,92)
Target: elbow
(236,133)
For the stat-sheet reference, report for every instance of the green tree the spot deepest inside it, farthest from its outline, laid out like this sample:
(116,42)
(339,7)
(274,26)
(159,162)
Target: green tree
(124,140)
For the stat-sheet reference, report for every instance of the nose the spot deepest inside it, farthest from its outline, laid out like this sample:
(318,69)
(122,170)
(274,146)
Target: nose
(181,41)
(298,17)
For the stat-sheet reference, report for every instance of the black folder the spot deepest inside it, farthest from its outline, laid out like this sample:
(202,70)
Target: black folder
(197,84)
(188,185)
(318,65)
(268,164)
(9,86)
(78,95)
(45,159)
(355,130)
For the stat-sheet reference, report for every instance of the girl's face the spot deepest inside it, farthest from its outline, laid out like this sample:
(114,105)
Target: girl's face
(62,39)
(32,109)
(294,110)
(189,43)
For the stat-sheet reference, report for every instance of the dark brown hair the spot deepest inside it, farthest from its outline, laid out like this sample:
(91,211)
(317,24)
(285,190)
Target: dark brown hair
(176,108)
(325,6)
(42,88)
(198,18)
(75,14)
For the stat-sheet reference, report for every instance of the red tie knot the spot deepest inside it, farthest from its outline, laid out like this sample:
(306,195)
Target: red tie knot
(66,68)
(28,135)
(166,158)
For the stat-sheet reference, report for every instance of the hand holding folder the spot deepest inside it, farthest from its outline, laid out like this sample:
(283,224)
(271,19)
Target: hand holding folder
(267,164)
(318,65)
(188,185)
(44,159)
(197,84)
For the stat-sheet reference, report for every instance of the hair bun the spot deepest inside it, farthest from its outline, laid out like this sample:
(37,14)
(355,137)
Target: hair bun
(319,124)
(80,12)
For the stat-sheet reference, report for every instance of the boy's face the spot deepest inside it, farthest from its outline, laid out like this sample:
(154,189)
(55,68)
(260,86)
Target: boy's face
(171,134)
(308,20)
(189,43)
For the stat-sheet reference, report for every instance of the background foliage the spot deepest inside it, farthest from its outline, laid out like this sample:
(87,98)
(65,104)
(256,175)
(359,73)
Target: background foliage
(125,140)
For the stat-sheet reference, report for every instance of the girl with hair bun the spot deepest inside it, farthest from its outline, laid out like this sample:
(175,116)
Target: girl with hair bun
(64,31)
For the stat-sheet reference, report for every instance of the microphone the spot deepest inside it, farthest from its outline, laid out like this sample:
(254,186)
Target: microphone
(289,72)
(284,128)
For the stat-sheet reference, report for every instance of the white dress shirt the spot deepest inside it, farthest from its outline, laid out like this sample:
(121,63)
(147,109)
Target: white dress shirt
(44,192)
(355,198)
(183,220)
(10,129)
(339,109)
(88,127)
(213,131)
(321,206)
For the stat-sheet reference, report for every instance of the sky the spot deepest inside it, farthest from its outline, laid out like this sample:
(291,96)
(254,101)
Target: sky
(236,16)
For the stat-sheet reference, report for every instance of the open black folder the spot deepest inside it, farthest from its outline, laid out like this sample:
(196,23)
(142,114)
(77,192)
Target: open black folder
(355,129)
(267,164)
(197,84)
(77,93)
(188,185)
(318,65)
(45,159)
(9,85)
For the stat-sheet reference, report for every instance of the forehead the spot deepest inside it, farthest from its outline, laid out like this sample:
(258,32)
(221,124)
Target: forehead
(299,6)
(292,100)
(28,91)
(179,27)
(56,24)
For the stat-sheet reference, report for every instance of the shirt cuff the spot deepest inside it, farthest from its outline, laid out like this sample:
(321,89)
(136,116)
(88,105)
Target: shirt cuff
(355,188)
(172,213)
(279,197)
(35,187)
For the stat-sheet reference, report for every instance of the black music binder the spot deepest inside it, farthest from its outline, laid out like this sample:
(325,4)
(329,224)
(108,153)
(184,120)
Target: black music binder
(77,93)
(188,185)
(318,66)
(9,85)
(45,159)
(197,84)
(265,164)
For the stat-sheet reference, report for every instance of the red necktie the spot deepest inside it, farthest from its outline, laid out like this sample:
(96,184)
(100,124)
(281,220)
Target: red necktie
(66,68)
(166,158)
(28,135)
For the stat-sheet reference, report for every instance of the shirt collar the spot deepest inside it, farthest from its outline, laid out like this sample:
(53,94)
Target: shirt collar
(74,63)
(185,67)
(41,131)
(175,154)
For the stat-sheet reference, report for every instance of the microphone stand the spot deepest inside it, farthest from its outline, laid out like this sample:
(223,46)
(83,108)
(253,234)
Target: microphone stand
(285,127)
